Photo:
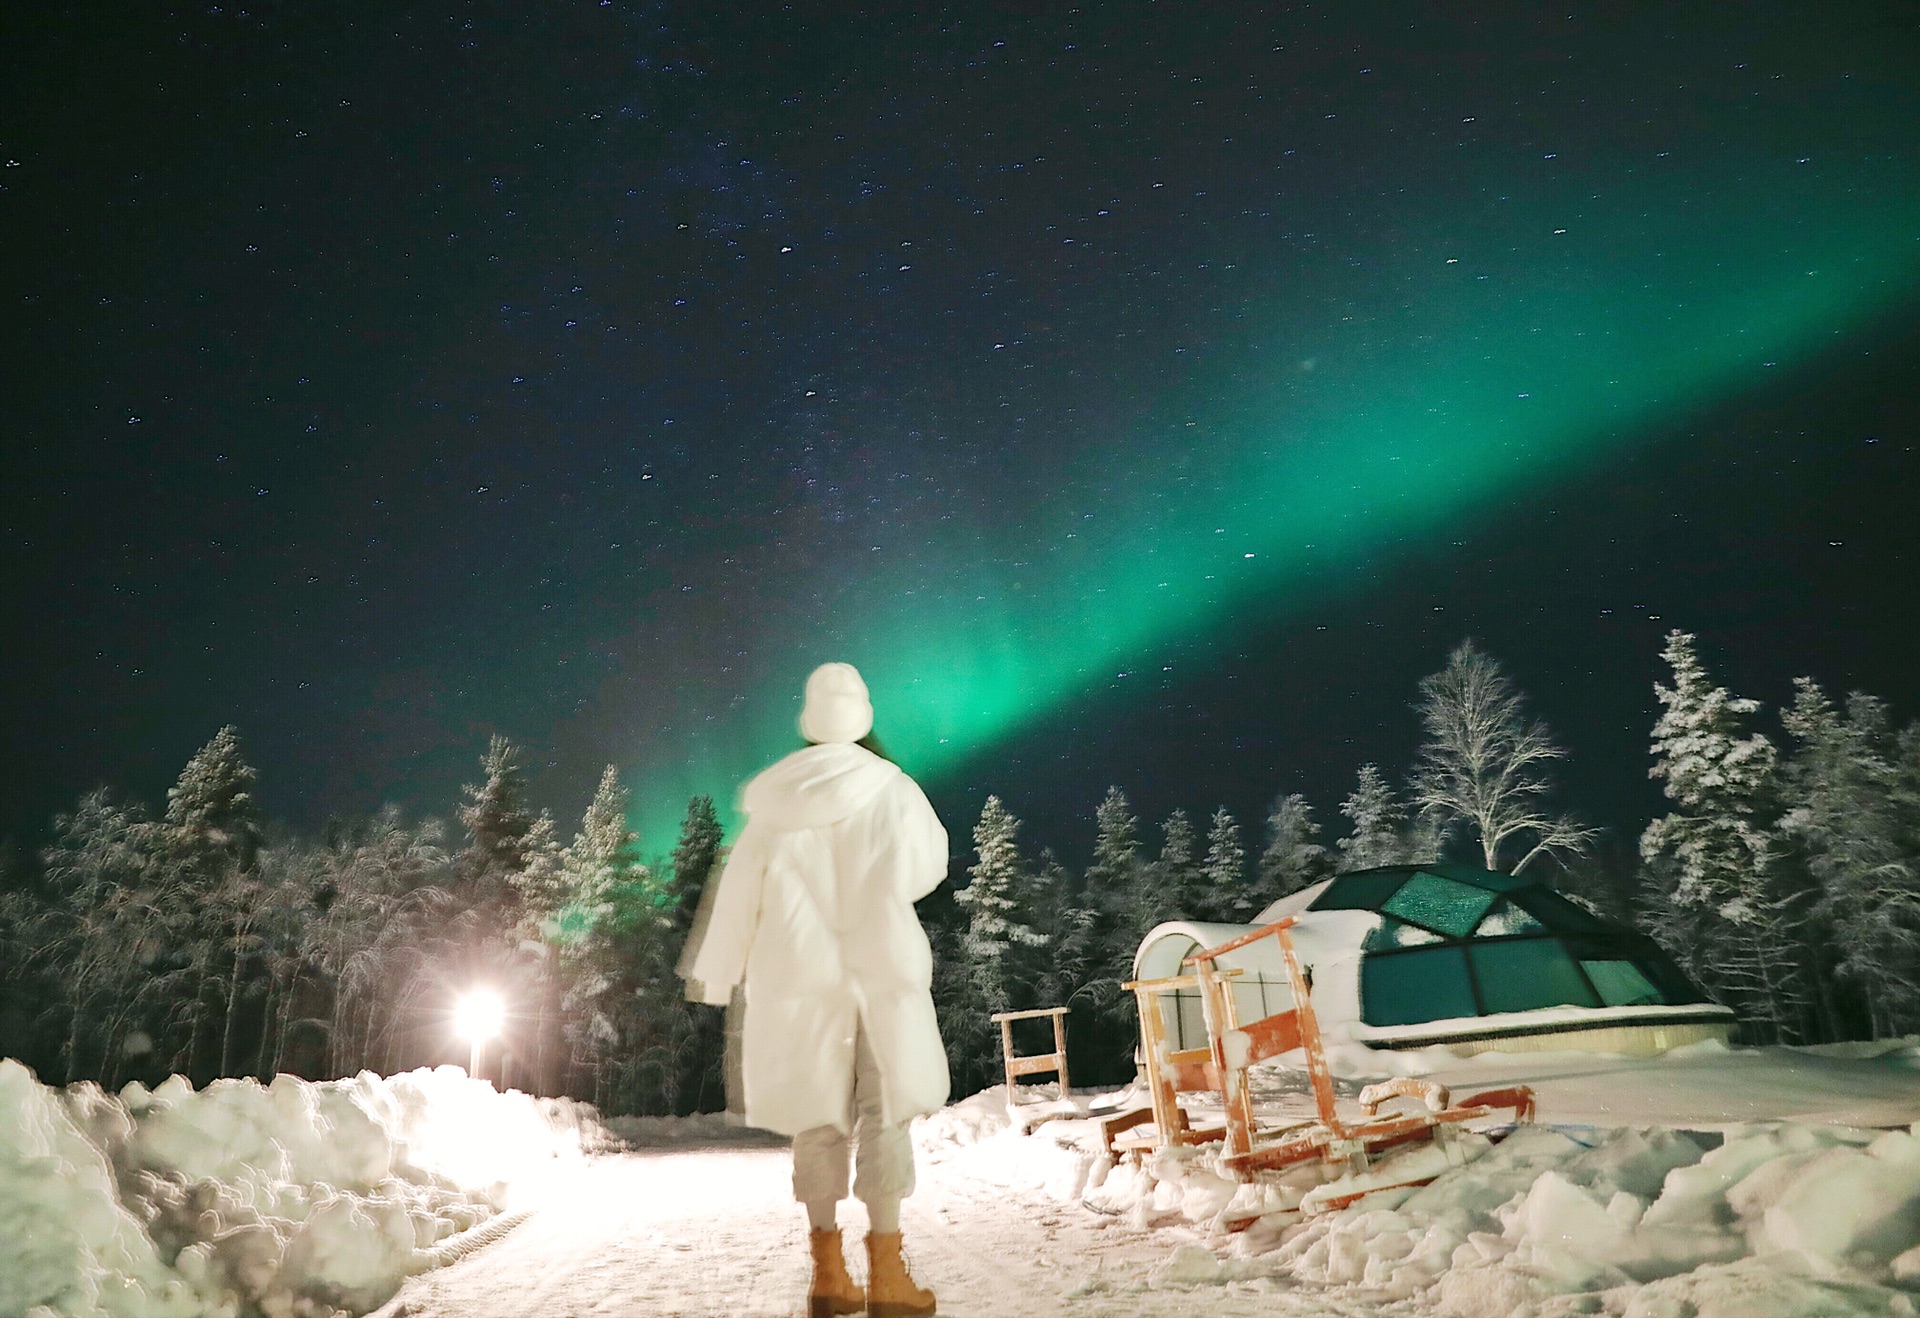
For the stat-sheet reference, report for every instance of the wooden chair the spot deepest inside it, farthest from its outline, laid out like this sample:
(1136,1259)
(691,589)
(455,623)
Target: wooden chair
(1018,1064)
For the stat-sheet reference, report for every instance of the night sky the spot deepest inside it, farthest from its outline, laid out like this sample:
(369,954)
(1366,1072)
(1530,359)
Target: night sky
(1138,394)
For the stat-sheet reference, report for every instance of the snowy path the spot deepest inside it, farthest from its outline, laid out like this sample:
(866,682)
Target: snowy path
(711,1232)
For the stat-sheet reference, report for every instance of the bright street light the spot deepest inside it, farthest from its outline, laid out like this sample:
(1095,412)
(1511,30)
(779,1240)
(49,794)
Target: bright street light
(477,1017)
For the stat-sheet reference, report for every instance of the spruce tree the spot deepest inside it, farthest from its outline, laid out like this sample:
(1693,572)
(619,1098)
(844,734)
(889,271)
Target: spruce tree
(1376,815)
(601,859)
(1224,871)
(1117,882)
(212,818)
(997,921)
(1293,859)
(1711,862)
(1856,838)
(496,819)
(693,860)
(693,1048)
(1178,888)
(1715,843)
(1061,966)
(1117,886)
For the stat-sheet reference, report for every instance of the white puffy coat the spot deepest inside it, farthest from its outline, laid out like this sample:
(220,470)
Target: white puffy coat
(814,913)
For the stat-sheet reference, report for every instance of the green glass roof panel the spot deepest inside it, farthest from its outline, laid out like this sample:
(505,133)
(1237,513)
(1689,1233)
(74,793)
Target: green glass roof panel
(1410,988)
(1506,920)
(1524,974)
(1622,984)
(1673,984)
(1393,933)
(1365,891)
(1440,904)
(1559,914)
(1492,880)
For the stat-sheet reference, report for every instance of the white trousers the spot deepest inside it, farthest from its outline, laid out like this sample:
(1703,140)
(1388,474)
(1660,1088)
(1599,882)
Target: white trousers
(882,1154)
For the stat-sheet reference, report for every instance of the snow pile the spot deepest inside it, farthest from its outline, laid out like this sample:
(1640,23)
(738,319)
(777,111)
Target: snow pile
(978,1137)
(1774,1218)
(286,1199)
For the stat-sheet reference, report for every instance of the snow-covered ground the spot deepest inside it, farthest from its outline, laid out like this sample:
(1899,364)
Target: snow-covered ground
(1713,1183)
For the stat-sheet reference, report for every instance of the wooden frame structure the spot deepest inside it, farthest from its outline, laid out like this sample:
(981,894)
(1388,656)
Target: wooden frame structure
(1017,1064)
(1234,1046)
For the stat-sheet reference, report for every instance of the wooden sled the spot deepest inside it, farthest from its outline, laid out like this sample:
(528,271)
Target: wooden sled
(1346,1149)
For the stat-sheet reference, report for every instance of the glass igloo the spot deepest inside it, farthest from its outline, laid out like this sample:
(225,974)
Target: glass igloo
(1414,955)
(1454,941)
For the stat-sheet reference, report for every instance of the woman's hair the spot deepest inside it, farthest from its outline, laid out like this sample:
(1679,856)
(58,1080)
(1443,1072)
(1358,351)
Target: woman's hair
(869,743)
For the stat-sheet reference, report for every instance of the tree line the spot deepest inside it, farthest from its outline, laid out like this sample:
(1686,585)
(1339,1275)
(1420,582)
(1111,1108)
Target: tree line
(1785,877)
(202,942)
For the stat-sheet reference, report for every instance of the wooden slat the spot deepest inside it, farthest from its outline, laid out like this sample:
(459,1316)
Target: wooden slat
(1272,1035)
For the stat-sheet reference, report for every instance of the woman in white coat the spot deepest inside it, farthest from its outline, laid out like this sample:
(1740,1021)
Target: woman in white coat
(813,914)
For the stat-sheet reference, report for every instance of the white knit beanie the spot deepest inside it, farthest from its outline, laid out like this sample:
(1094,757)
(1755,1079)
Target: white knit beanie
(837,708)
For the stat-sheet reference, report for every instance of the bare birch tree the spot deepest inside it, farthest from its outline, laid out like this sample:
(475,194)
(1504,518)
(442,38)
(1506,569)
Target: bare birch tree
(1484,764)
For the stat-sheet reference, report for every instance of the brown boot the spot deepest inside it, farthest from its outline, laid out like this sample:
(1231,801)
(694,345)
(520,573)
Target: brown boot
(890,1289)
(833,1291)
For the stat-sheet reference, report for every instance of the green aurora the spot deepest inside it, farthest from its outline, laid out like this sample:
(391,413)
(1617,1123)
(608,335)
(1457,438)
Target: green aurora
(1458,374)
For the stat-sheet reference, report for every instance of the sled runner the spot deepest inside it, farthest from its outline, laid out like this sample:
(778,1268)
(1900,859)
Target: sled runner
(1349,1148)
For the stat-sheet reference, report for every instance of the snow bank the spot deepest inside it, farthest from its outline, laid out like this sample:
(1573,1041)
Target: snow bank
(289,1199)
(1776,1219)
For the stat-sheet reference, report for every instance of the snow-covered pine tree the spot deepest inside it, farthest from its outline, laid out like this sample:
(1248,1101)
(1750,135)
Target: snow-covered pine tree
(540,892)
(1375,814)
(497,822)
(997,921)
(1483,765)
(694,856)
(691,1055)
(211,809)
(1117,886)
(1062,966)
(615,942)
(1293,859)
(601,859)
(1176,881)
(1711,860)
(990,948)
(541,882)
(1847,826)
(1224,871)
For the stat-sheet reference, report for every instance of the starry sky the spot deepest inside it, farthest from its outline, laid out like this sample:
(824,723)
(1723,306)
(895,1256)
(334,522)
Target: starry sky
(1138,394)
